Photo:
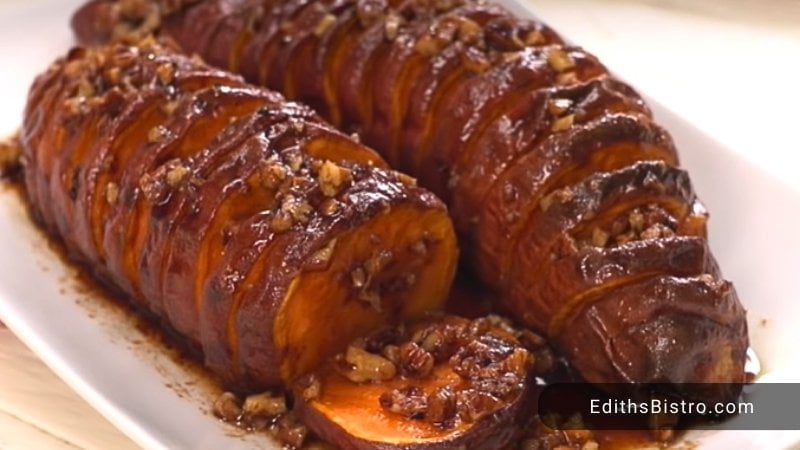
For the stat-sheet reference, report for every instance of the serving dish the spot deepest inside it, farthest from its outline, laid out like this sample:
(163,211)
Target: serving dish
(160,404)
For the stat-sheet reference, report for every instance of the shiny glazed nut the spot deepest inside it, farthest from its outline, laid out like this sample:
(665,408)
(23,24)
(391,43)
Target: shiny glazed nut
(365,366)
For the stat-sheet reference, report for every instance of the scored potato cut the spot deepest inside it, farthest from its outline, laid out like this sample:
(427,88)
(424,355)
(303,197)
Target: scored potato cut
(573,278)
(610,142)
(601,198)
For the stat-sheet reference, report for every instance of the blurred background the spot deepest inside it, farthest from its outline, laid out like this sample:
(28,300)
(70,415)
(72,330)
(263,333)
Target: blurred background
(730,67)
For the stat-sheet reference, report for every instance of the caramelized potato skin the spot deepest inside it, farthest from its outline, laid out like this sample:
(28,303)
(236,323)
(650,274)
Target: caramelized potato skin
(217,206)
(496,115)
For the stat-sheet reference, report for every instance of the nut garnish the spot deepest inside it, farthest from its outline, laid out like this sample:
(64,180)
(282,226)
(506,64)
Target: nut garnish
(442,406)
(166,73)
(648,222)
(280,222)
(560,60)
(366,366)
(469,31)
(567,79)
(392,26)
(311,387)
(410,402)
(486,354)
(291,432)
(420,247)
(369,11)
(169,107)
(359,277)
(332,177)
(297,208)
(228,407)
(599,237)
(112,193)
(324,25)
(414,361)
(546,202)
(273,174)
(475,61)
(563,123)
(636,220)
(264,405)
(75,105)
(427,46)
(295,162)
(329,207)
(113,75)
(322,257)
(533,38)
(176,174)
(157,134)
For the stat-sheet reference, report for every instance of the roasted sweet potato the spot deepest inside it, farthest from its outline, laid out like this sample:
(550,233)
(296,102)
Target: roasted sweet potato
(256,231)
(437,384)
(502,119)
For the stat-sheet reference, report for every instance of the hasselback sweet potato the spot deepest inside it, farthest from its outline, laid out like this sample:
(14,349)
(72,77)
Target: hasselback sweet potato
(256,231)
(562,188)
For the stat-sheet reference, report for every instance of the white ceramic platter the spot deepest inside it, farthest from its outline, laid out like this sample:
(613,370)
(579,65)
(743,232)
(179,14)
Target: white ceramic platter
(101,354)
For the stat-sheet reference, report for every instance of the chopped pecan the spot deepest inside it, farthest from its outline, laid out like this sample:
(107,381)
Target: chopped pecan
(414,361)
(365,366)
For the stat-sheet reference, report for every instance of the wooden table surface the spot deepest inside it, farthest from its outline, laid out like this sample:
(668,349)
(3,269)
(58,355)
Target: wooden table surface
(692,60)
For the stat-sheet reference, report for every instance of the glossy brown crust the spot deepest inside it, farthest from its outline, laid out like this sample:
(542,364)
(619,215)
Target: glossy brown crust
(687,310)
(218,206)
(493,113)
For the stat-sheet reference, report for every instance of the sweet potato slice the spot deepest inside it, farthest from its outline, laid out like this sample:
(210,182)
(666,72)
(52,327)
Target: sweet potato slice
(443,383)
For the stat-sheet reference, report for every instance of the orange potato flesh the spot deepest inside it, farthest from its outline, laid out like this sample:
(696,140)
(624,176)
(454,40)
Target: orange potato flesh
(320,314)
(335,147)
(356,409)
(473,392)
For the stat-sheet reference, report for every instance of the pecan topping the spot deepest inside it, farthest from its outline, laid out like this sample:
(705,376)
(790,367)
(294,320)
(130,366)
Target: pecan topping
(332,177)
(560,60)
(414,361)
(364,366)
